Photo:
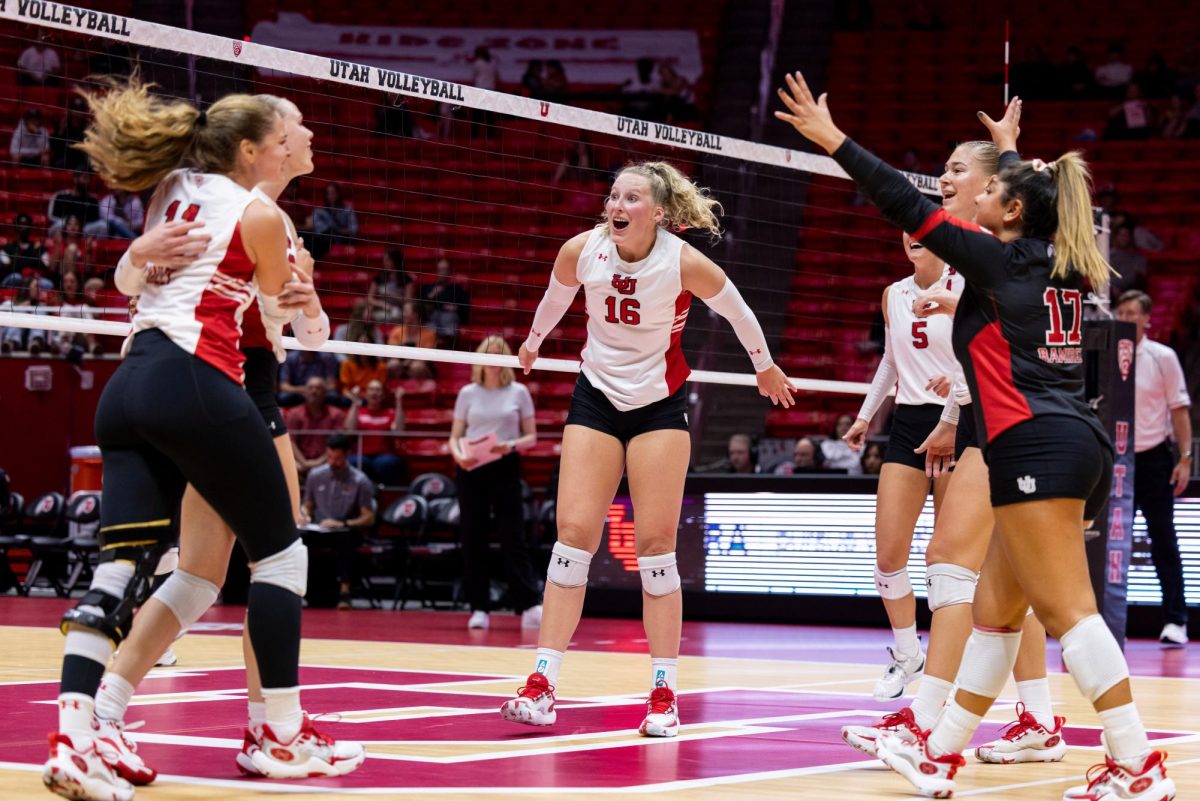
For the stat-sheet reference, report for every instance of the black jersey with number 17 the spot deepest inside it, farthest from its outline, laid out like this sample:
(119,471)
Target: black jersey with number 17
(1017,330)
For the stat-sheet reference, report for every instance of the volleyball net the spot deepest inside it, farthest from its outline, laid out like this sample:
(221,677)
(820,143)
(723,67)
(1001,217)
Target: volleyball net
(449,202)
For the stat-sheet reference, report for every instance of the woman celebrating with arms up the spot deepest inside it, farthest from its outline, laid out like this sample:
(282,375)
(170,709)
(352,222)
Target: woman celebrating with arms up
(1016,334)
(629,412)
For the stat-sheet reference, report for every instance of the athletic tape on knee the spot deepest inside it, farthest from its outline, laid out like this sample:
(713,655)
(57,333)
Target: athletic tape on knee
(660,574)
(568,566)
(987,661)
(1093,657)
(168,562)
(287,569)
(187,596)
(892,585)
(949,585)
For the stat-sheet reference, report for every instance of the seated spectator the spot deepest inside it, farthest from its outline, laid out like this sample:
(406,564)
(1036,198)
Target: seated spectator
(872,459)
(379,459)
(643,93)
(1074,76)
(1174,119)
(29,299)
(836,452)
(359,327)
(741,457)
(1115,73)
(30,143)
(66,251)
(338,498)
(1125,259)
(332,224)
(679,98)
(72,304)
(315,414)
(1156,78)
(299,368)
(446,305)
(70,132)
(531,80)
(38,65)
(77,201)
(414,333)
(390,287)
(21,257)
(123,214)
(1131,119)
(807,457)
(12,338)
(357,372)
(555,86)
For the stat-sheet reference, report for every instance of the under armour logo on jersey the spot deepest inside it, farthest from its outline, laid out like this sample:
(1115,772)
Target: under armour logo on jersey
(563,562)
(624,284)
(602,256)
(1027,484)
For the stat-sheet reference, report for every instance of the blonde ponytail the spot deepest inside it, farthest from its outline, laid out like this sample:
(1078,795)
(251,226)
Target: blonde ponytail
(685,205)
(1075,245)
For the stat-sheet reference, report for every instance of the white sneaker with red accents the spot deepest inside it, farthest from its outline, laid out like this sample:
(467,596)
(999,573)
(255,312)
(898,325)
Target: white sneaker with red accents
(662,714)
(534,704)
(245,757)
(1112,782)
(933,776)
(80,772)
(901,723)
(1025,740)
(310,753)
(121,753)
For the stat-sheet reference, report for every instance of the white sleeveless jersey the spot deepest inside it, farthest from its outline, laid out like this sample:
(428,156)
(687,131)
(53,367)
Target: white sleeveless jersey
(635,318)
(920,345)
(258,330)
(200,306)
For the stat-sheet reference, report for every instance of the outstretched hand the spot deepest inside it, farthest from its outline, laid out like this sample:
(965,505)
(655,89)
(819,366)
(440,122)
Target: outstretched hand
(773,384)
(526,357)
(1005,132)
(811,118)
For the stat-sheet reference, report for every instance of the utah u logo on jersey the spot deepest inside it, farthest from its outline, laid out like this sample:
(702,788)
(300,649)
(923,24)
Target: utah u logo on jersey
(624,284)
(1027,484)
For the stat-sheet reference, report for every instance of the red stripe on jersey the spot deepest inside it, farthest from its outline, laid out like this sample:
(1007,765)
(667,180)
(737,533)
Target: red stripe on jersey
(1002,403)
(937,218)
(677,366)
(217,312)
(254,333)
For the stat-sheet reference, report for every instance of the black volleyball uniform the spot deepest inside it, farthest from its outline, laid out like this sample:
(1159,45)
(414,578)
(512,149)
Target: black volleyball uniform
(1017,334)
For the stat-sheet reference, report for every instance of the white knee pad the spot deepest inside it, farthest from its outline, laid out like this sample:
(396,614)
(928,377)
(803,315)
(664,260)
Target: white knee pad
(188,596)
(949,585)
(168,562)
(287,569)
(987,661)
(892,585)
(660,574)
(1093,657)
(568,566)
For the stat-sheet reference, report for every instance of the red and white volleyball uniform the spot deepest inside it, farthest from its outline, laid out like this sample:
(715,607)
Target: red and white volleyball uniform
(636,314)
(920,346)
(200,307)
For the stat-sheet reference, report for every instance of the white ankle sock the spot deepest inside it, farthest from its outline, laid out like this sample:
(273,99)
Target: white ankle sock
(908,644)
(75,713)
(548,663)
(662,672)
(257,713)
(931,698)
(1125,736)
(284,715)
(113,697)
(953,731)
(1035,695)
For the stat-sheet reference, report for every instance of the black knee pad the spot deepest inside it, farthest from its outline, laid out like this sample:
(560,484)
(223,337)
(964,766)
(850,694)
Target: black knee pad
(117,613)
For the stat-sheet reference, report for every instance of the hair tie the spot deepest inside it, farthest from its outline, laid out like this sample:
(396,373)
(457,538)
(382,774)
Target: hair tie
(202,119)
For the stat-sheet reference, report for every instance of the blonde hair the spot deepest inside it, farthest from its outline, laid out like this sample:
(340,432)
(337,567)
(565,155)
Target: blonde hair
(281,105)
(685,205)
(1058,204)
(136,138)
(506,373)
(985,153)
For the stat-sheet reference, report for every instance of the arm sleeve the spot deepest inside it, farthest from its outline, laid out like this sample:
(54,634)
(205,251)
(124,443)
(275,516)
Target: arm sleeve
(978,255)
(729,304)
(881,385)
(311,333)
(550,311)
(129,279)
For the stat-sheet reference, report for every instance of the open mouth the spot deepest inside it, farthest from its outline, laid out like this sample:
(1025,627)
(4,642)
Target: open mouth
(947,197)
(620,225)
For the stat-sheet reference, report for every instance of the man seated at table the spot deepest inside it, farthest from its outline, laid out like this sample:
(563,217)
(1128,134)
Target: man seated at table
(339,499)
